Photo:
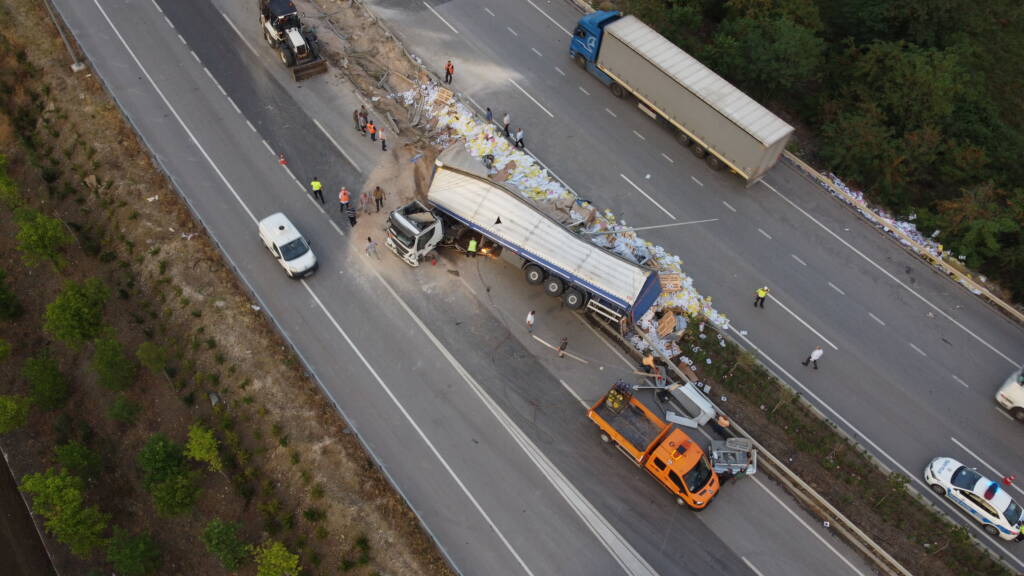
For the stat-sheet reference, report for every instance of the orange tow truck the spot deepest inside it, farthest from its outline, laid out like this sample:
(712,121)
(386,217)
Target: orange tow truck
(664,451)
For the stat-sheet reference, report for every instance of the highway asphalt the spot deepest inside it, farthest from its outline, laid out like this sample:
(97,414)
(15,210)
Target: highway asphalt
(440,384)
(912,360)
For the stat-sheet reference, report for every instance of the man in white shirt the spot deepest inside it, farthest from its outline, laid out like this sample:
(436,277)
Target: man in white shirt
(816,355)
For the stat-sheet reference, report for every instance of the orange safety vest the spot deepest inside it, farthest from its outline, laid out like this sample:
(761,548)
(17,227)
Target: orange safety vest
(449,68)
(343,196)
(371,128)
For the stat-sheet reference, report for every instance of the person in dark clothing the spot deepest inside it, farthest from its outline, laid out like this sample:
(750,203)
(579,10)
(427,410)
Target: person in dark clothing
(350,211)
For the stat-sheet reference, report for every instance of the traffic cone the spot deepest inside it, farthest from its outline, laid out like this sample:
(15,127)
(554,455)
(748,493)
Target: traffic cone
(281,160)
(1008,480)
(433,260)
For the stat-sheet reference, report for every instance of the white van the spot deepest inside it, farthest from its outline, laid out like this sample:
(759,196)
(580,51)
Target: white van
(1011,395)
(287,245)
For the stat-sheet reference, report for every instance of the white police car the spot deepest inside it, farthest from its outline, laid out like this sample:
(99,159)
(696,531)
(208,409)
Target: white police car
(982,498)
(287,245)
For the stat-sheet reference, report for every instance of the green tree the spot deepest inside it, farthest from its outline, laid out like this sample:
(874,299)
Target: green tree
(123,410)
(115,369)
(49,386)
(133,554)
(41,238)
(10,197)
(153,357)
(13,412)
(78,459)
(58,497)
(10,308)
(221,540)
(176,495)
(165,475)
(979,221)
(274,559)
(202,446)
(76,315)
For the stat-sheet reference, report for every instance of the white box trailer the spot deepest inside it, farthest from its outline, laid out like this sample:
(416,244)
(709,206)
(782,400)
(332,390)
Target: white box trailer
(710,114)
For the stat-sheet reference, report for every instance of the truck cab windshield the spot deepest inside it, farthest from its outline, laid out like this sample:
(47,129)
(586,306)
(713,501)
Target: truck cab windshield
(294,249)
(697,478)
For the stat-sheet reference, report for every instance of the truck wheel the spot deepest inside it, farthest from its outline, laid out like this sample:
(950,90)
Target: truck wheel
(574,299)
(580,60)
(605,438)
(714,162)
(554,286)
(680,501)
(271,41)
(617,90)
(698,150)
(683,139)
(534,274)
(286,56)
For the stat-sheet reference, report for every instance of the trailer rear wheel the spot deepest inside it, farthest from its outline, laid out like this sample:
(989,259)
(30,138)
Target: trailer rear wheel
(574,299)
(580,60)
(714,162)
(554,286)
(683,138)
(617,90)
(534,274)
(698,150)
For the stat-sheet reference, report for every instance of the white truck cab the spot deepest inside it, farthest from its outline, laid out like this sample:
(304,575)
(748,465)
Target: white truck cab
(283,240)
(1011,395)
(413,231)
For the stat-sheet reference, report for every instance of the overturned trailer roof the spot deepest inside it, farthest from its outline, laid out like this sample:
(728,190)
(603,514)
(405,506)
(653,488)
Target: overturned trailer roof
(506,217)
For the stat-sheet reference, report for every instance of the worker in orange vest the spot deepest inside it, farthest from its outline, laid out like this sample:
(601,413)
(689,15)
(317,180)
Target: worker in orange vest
(449,71)
(343,199)
(372,130)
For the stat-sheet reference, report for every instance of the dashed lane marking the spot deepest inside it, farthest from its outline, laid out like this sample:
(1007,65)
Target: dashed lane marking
(514,33)
(441,18)
(584,90)
(797,258)
(699,183)
(665,156)
(614,115)
(918,350)
(876,318)
(639,135)
(537,52)
(539,105)
(765,234)
(836,288)
(338,146)
(729,206)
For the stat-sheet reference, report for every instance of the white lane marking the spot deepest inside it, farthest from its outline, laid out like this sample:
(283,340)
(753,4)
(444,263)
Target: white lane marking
(214,80)
(441,18)
(655,202)
(765,234)
(169,23)
(157,6)
(639,135)
(959,380)
(867,439)
(584,90)
(573,392)
(893,278)
(336,227)
(338,146)
(555,348)
(514,33)
(729,206)
(836,288)
(602,338)
(267,146)
(999,475)
(665,156)
(294,179)
(251,127)
(233,105)
(797,258)
(751,566)
(196,57)
(539,105)
(919,351)
(801,320)
(553,21)
(806,525)
(617,546)
(559,70)
(466,284)
(537,52)
(419,431)
(182,38)
(488,10)
(876,318)
(239,34)
(614,115)
(699,183)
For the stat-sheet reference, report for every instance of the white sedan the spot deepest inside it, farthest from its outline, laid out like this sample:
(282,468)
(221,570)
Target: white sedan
(980,497)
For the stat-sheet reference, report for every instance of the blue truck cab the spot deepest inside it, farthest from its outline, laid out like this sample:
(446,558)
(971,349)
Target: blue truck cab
(586,41)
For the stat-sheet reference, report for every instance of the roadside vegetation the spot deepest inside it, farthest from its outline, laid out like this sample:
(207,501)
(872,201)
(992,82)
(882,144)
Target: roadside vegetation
(153,419)
(916,103)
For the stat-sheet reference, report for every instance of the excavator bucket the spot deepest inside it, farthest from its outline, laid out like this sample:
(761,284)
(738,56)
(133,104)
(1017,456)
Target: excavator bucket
(309,69)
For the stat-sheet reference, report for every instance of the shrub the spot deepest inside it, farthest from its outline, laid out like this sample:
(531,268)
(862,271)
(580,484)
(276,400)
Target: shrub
(10,308)
(221,540)
(115,369)
(58,498)
(133,554)
(13,412)
(76,314)
(78,459)
(177,494)
(123,410)
(5,349)
(203,446)
(274,559)
(41,238)
(49,387)
(164,474)
(153,357)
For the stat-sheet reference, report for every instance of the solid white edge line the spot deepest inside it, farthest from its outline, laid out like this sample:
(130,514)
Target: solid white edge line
(999,475)
(416,427)
(801,320)
(729,206)
(836,288)
(239,33)
(655,202)
(892,277)
(541,106)
(806,525)
(338,146)
(441,18)
(867,439)
(553,21)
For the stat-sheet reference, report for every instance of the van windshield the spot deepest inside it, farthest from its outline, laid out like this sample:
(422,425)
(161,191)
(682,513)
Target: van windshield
(294,249)
(697,478)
